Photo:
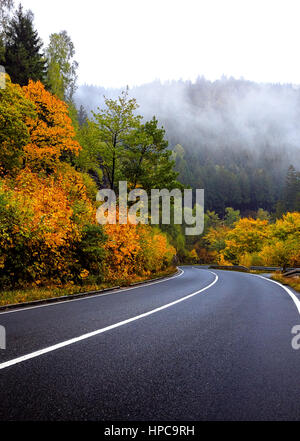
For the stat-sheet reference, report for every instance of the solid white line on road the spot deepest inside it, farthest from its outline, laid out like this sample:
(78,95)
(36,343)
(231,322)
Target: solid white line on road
(101,331)
(92,296)
(290,293)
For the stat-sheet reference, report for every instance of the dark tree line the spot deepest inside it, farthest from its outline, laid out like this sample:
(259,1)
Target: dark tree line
(234,138)
(222,138)
(24,57)
(243,186)
(290,200)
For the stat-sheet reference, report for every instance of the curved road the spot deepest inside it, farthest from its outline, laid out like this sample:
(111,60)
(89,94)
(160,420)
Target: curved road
(200,346)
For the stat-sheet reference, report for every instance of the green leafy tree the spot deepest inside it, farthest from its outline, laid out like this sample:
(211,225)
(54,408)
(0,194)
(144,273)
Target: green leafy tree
(24,60)
(89,253)
(211,220)
(114,128)
(62,68)
(279,209)
(182,166)
(263,214)
(89,158)
(147,162)
(231,217)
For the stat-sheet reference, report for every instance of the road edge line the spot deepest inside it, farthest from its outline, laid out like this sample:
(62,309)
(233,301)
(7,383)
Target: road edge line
(71,341)
(290,293)
(84,296)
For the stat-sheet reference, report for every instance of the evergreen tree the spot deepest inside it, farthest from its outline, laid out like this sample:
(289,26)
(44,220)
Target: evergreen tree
(23,59)
(82,116)
(292,189)
(5,8)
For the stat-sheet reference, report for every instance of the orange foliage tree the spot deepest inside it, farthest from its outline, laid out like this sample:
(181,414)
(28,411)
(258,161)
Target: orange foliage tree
(52,136)
(135,250)
(46,212)
(48,230)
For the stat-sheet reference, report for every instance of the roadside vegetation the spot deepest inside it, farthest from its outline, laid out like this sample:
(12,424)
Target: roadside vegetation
(259,240)
(53,160)
(293,282)
(48,205)
(30,294)
(54,157)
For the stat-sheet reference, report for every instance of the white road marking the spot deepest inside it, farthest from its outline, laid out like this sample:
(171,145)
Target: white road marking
(101,331)
(92,296)
(290,293)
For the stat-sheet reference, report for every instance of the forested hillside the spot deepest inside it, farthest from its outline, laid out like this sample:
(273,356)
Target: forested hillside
(52,164)
(59,145)
(234,138)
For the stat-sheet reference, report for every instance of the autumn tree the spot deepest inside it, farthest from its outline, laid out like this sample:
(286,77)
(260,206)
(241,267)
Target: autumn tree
(24,60)
(135,250)
(247,236)
(282,246)
(15,111)
(48,229)
(216,238)
(52,136)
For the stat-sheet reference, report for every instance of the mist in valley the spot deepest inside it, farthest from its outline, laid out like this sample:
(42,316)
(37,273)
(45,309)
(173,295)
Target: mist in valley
(235,135)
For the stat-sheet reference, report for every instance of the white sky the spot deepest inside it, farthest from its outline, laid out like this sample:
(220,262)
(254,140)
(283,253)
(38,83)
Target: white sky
(121,42)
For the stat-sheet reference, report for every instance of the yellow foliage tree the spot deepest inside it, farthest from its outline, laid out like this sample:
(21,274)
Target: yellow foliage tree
(52,136)
(247,236)
(15,110)
(135,250)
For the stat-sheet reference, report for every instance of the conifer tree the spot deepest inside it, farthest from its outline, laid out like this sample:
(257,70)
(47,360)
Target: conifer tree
(23,58)
(5,8)
(292,189)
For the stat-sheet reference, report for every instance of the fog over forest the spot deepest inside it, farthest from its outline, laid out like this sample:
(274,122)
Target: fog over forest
(235,134)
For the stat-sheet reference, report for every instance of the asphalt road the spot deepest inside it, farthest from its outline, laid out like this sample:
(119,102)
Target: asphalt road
(200,346)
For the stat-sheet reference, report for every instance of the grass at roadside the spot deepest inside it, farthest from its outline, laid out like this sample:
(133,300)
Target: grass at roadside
(257,271)
(40,293)
(294,282)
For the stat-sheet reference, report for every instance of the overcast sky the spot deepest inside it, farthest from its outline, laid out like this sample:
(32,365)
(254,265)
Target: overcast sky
(121,42)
